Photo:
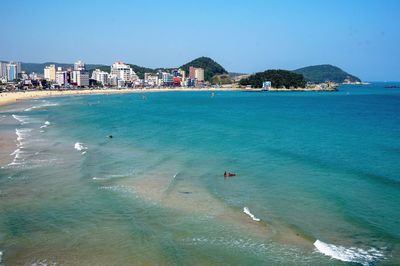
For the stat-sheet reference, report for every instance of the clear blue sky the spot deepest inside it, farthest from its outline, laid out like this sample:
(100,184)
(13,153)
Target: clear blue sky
(360,36)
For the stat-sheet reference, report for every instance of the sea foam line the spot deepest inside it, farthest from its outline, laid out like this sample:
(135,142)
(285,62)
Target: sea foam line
(22,119)
(247,211)
(22,134)
(352,254)
(45,104)
(107,177)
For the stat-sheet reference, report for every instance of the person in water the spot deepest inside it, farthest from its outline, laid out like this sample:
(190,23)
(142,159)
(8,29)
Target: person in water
(229,174)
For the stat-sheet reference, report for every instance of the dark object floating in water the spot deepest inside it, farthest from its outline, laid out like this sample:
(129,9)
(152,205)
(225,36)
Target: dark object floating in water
(229,174)
(110,136)
(185,192)
(392,87)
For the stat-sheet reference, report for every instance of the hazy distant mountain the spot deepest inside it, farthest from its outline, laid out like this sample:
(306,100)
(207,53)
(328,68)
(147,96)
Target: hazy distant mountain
(324,73)
(39,67)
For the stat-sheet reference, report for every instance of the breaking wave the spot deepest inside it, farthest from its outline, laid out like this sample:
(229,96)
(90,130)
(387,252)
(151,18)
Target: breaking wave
(247,211)
(352,254)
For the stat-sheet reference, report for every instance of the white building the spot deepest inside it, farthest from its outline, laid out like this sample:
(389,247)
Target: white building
(123,72)
(167,78)
(62,78)
(100,76)
(151,79)
(50,73)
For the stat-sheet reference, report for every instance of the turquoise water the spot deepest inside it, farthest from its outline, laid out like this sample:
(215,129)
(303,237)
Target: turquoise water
(311,166)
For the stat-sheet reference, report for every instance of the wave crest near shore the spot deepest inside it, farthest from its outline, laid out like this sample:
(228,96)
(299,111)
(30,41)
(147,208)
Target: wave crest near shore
(247,211)
(352,254)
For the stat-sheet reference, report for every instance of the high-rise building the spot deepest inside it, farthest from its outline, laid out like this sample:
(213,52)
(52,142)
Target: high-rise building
(19,69)
(3,70)
(182,73)
(79,66)
(123,72)
(63,77)
(82,78)
(50,73)
(196,73)
(199,74)
(167,79)
(11,71)
(192,72)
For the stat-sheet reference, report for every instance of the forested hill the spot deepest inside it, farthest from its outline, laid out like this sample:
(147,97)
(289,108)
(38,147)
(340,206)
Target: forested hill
(279,79)
(211,68)
(324,73)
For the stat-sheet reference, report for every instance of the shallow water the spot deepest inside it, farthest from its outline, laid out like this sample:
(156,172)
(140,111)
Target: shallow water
(311,166)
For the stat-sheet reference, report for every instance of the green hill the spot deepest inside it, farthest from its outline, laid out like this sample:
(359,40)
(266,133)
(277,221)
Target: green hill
(211,68)
(279,78)
(324,73)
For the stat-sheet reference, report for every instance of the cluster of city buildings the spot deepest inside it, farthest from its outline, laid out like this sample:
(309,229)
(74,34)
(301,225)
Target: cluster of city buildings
(9,71)
(122,75)
(76,76)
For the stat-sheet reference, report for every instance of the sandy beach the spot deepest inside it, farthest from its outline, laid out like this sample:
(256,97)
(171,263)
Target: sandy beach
(13,97)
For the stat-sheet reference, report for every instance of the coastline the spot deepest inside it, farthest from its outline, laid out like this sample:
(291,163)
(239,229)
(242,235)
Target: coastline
(14,97)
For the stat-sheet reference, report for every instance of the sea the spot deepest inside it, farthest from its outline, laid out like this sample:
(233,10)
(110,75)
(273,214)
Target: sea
(138,179)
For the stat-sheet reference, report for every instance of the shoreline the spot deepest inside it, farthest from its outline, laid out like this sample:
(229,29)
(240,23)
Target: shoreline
(7,98)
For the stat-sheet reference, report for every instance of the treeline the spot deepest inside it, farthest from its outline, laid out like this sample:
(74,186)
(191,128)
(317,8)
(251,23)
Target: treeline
(279,79)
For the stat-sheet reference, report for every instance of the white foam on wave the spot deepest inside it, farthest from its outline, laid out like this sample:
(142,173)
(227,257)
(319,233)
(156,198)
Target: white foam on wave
(22,119)
(247,211)
(44,104)
(22,134)
(107,177)
(46,124)
(1,256)
(352,254)
(80,147)
(43,262)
